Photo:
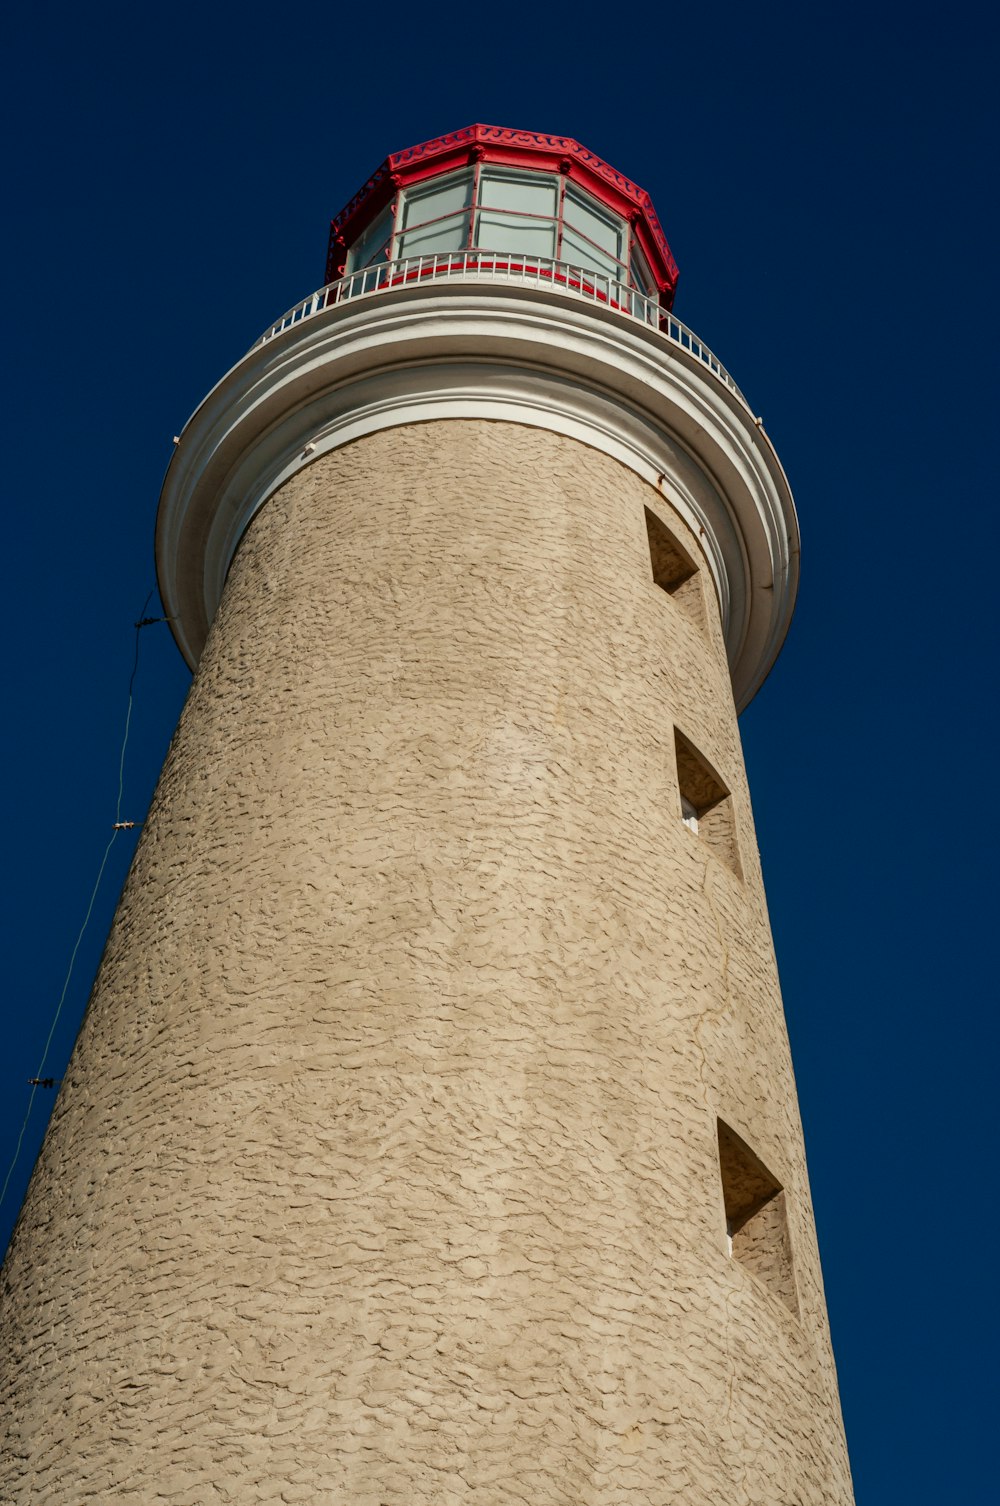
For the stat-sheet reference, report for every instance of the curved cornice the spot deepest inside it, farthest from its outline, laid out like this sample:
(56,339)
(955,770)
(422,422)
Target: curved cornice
(508,353)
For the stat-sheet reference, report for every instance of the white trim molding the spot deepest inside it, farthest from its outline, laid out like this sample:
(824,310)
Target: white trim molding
(500,351)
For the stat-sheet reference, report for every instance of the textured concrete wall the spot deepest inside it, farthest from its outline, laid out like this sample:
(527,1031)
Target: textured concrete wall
(386,1170)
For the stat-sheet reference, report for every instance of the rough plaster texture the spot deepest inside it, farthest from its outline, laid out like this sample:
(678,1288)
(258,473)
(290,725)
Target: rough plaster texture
(386,1169)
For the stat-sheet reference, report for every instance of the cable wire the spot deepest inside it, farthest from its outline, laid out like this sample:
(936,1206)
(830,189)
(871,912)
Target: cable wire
(93,898)
(140,622)
(55,1017)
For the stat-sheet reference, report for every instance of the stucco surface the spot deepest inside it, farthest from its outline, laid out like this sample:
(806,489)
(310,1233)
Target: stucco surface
(385,1171)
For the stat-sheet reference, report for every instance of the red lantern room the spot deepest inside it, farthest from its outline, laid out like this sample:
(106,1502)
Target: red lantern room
(488,197)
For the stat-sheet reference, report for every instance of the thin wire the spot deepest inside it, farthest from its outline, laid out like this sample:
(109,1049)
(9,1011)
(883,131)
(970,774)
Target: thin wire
(55,1018)
(90,907)
(128,713)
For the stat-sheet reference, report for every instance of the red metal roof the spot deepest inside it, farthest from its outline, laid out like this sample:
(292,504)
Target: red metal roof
(530,149)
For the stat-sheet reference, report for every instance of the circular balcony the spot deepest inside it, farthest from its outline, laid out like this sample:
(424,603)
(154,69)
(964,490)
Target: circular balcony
(481,266)
(500,336)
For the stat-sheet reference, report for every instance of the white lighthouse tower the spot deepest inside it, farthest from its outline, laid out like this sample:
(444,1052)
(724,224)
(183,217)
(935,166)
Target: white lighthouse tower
(431,1138)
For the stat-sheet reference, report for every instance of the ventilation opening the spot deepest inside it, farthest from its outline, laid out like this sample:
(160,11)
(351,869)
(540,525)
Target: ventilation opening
(706,804)
(673,569)
(756,1220)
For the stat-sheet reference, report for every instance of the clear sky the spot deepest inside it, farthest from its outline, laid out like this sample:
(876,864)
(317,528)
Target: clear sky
(826,177)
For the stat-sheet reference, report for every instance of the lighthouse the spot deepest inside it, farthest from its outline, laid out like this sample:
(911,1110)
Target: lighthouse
(431,1138)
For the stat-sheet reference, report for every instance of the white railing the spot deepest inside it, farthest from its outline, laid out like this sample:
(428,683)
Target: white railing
(492,266)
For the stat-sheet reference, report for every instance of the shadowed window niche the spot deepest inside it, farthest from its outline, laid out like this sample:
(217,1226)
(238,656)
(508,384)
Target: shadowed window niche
(756,1218)
(674,571)
(706,804)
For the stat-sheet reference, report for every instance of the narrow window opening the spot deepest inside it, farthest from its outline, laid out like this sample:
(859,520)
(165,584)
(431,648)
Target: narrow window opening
(689,814)
(673,569)
(756,1218)
(706,804)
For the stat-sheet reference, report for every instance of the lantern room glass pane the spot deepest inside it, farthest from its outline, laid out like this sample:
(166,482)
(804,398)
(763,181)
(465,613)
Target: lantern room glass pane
(606,230)
(430,201)
(580,253)
(642,278)
(512,232)
(442,235)
(514,212)
(373,243)
(521,193)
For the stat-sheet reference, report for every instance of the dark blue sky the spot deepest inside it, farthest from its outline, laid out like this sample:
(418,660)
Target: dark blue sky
(826,177)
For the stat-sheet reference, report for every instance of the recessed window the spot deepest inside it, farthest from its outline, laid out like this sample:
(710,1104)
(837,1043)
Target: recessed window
(674,571)
(689,815)
(706,805)
(756,1218)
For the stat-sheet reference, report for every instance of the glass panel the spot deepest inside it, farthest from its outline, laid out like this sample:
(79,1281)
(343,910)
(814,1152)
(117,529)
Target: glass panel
(442,196)
(641,276)
(597,224)
(525,193)
(373,243)
(443,235)
(581,253)
(509,232)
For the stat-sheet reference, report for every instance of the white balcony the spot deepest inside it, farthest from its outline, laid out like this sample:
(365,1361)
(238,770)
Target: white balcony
(475,266)
(503,336)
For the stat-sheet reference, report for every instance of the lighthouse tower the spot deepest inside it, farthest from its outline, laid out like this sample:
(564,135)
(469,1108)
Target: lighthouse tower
(431,1138)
